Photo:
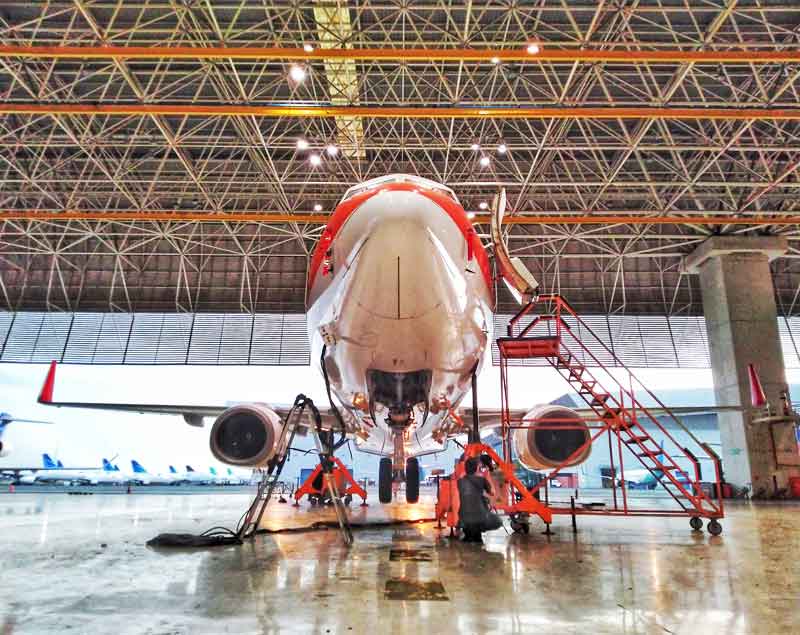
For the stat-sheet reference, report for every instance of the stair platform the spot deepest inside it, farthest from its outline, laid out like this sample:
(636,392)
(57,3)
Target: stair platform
(528,347)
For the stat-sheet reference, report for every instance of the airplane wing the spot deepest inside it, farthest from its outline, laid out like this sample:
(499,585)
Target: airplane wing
(192,414)
(491,417)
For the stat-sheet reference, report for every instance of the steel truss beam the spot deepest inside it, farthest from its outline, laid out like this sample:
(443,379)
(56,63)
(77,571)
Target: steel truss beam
(397,54)
(409,112)
(188,212)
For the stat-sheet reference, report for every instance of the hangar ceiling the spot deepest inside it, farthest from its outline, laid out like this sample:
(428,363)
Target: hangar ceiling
(163,206)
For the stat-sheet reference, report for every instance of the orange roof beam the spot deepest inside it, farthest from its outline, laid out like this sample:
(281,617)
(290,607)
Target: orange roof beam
(520,54)
(409,112)
(321,219)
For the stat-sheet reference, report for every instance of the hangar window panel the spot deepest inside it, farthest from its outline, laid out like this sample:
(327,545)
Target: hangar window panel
(789,332)
(657,341)
(83,337)
(52,337)
(206,339)
(145,335)
(173,342)
(6,320)
(628,341)
(266,344)
(691,341)
(294,341)
(22,338)
(237,331)
(277,339)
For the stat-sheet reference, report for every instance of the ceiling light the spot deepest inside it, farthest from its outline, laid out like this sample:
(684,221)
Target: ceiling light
(310,49)
(485,161)
(495,60)
(302,144)
(297,73)
(483,205)
(475,147)
(317,207)
(315,160)
(502,148)
(332,150)
(533,49)
(470,215)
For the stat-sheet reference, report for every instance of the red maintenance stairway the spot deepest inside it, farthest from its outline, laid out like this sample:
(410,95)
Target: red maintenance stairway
(555,333)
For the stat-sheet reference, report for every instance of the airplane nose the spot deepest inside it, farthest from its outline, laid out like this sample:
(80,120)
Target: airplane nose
(404,272)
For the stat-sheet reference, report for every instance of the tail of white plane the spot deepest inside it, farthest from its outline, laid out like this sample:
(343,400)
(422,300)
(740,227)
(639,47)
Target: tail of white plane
(137,467)
(49,463)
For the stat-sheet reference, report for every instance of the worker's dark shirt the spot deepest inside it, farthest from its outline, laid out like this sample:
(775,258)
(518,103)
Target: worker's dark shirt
(471,506)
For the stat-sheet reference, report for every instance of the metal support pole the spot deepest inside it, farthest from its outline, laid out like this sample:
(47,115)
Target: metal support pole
(574,519)
(475,436)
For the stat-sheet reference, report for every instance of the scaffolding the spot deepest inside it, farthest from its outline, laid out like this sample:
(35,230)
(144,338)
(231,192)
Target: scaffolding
(548,328)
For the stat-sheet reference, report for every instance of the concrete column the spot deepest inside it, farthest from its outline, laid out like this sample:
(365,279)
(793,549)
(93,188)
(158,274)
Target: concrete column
(741,318)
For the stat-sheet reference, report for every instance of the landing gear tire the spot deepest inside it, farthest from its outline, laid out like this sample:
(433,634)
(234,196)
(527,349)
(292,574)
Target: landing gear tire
(385,480)
(412,480)
(714,528)
(312,500)
(696,523)
(348,499)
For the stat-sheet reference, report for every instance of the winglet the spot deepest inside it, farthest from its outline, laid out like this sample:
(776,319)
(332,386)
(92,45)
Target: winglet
(46,395)
(757,396)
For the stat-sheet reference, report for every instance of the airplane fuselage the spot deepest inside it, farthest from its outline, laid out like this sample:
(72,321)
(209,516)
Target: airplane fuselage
(399,305)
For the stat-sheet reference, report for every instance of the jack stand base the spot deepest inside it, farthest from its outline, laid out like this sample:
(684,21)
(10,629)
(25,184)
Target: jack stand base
(364,505)
(547,531)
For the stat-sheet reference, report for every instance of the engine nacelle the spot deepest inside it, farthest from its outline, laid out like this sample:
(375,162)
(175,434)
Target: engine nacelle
(246,435)
(5,448)
(545,445)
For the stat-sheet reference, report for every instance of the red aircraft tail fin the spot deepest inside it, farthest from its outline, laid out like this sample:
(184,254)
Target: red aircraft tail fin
(46,395)
(757,396)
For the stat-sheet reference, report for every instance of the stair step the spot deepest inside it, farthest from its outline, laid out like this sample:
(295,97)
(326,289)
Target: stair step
(633,440)
(649,453)
(600,399)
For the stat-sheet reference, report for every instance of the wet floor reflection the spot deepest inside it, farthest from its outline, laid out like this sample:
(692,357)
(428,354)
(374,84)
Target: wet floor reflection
(615,576)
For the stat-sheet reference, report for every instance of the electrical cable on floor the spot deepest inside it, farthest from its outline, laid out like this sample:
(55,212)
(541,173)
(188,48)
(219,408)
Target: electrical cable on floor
(332,524)
(220,536)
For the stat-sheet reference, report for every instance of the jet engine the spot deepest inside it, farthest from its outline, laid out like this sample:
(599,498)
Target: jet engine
(5,448)
(246,435)
(556,435)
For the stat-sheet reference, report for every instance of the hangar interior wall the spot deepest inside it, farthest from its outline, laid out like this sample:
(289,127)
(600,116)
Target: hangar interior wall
(280,339)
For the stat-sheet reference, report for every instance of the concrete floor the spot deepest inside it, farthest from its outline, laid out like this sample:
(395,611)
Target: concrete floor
(79,564)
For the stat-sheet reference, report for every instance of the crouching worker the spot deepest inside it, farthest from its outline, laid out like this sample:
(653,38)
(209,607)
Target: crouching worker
(474,514)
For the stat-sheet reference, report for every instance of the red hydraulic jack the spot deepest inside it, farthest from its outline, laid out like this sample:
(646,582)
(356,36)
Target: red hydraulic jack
(513,497)
(315,488)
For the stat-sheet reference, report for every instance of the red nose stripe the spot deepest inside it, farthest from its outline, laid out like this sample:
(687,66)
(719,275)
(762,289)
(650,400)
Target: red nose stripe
(454,211)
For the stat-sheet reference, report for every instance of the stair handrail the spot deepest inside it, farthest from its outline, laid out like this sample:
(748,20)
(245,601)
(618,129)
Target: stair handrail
(560,303)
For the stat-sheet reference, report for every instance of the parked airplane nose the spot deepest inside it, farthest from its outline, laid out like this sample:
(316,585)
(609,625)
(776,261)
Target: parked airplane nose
(404,271)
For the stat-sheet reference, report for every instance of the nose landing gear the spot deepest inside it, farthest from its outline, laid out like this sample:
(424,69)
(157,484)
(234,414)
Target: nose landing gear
(387,476)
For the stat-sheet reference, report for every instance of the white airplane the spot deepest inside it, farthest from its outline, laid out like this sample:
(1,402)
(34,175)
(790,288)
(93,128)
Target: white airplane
(400,300)
(199,478)
(5,420)
(144,477)
(55,472)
